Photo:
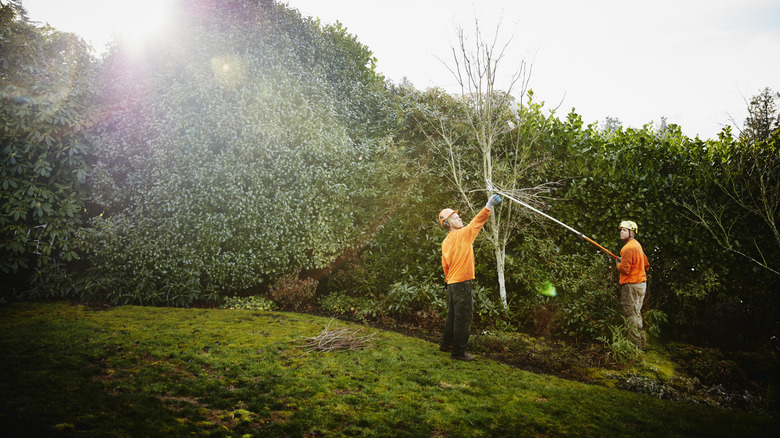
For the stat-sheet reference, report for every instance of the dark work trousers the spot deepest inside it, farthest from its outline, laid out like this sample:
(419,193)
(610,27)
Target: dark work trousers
(460,312)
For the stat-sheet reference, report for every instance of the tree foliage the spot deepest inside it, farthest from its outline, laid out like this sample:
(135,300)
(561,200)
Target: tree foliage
(47,86)
(763,117)
(251,144)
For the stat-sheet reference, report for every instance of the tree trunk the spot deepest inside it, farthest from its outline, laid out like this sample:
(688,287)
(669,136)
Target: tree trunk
(500,260)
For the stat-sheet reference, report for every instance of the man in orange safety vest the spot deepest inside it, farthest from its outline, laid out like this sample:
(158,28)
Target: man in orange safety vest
(632,266)
(457,260)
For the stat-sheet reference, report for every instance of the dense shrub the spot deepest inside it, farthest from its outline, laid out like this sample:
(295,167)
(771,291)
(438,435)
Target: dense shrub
(586,286)
(410,296)
(366,308)
(292,291)
(252,302)
(403,258)
(47,86)
(233,154)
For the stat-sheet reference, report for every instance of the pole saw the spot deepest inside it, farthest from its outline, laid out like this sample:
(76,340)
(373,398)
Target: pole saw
(492,188)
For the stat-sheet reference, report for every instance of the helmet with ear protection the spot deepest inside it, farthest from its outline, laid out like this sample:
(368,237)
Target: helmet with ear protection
(443,215)
(629,225)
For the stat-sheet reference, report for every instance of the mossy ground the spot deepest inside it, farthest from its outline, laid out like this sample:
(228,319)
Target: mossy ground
(140,371)
(732,380)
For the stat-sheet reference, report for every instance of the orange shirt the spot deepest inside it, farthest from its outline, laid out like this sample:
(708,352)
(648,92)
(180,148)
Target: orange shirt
(457,250)
(633,263)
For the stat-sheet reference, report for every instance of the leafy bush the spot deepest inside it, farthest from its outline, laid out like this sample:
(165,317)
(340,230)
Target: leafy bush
(47,86)
(252,302)
(620,349)
(489,310)
(405,251)
(672,186)
(362,307)
(586,287)
(407,297)
(293,291)
(546,317)
(653,319)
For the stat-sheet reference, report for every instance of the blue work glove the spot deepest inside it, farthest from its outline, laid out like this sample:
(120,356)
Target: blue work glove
(493,201)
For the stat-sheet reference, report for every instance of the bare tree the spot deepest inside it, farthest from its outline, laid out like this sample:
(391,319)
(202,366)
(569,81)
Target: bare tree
(490,137)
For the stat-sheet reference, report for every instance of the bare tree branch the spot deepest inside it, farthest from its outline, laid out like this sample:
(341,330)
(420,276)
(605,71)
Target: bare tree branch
(712,219)
(336,340)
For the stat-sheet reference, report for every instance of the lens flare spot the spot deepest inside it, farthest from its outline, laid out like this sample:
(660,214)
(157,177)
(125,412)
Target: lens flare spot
(229,71)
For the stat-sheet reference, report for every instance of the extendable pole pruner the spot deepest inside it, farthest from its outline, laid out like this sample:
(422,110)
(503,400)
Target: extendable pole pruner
(491,188)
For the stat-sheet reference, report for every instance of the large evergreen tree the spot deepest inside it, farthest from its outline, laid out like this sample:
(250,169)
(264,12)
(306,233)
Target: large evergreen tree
(249,144)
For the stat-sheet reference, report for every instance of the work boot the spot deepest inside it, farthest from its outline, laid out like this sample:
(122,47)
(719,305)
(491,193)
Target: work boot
(446,349)
(464,357)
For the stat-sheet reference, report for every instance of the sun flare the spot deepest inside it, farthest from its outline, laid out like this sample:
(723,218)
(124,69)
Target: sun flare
(139,21)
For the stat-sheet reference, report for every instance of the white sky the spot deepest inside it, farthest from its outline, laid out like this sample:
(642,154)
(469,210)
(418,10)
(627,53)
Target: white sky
(695,62)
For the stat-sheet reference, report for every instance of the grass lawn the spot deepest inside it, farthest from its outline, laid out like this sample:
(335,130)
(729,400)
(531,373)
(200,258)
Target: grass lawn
(143,372)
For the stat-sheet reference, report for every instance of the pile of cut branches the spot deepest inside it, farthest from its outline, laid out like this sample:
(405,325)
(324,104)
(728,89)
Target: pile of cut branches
(342,339)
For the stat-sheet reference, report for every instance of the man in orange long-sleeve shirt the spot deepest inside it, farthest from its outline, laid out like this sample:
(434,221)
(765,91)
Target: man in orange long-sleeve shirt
(457,260)
(632,266)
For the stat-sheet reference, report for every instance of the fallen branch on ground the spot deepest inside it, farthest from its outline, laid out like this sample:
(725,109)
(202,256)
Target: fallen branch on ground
(336,340)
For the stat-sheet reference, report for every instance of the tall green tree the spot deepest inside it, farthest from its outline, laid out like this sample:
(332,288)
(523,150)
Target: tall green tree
(47,85)
(250,144)
(763,117)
